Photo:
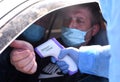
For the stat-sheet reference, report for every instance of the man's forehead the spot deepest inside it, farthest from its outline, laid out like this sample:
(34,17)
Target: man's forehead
(71,8)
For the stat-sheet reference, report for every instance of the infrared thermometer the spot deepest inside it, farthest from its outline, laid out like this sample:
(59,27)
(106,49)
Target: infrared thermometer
(52,48)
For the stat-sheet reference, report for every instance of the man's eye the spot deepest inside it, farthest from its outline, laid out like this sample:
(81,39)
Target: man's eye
(80,21)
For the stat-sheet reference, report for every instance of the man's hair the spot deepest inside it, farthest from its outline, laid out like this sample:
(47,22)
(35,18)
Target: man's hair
(96,15)
(94,8)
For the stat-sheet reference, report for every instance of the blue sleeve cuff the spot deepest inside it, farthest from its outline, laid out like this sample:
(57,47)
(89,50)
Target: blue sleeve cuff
(94,60)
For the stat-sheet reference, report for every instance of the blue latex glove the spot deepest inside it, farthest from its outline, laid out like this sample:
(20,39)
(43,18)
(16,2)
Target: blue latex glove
(72,52)
(61,64)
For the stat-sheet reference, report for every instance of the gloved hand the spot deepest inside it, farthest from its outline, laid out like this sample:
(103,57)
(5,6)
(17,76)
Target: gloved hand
(23,57)
(72,52)
(61,64)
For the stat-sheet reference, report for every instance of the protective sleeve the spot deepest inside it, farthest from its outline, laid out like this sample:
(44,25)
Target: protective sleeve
(94,60)
(110,11)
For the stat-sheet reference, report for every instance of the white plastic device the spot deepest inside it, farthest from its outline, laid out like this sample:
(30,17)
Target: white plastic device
(52,48)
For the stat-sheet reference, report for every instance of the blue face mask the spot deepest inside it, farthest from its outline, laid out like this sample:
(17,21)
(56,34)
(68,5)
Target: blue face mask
(34,33)
(73,37)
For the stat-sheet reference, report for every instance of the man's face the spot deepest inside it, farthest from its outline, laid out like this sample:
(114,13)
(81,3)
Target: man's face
(78,18)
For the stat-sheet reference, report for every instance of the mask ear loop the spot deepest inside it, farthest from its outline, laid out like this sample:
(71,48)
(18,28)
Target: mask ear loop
(89,29)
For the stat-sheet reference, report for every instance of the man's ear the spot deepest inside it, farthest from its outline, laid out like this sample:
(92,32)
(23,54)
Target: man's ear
(95,29)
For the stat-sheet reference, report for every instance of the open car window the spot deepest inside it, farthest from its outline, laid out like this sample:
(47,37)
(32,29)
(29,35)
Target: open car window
(17,16)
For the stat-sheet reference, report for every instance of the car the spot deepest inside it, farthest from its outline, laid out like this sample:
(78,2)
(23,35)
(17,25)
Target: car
(17,16)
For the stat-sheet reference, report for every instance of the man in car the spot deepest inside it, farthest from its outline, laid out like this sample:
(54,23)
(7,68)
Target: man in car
(81,23)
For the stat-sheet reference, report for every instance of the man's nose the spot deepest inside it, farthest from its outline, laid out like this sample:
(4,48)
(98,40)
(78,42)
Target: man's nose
(73,23)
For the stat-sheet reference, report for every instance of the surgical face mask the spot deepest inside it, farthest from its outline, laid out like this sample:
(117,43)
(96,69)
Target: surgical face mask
(72,37)
(34,33)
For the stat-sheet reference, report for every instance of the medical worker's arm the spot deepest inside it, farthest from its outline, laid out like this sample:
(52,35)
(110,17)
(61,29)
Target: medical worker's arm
(90,59)
(111,13)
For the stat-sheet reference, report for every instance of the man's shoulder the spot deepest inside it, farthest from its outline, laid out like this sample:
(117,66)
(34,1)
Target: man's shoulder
(100,38)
